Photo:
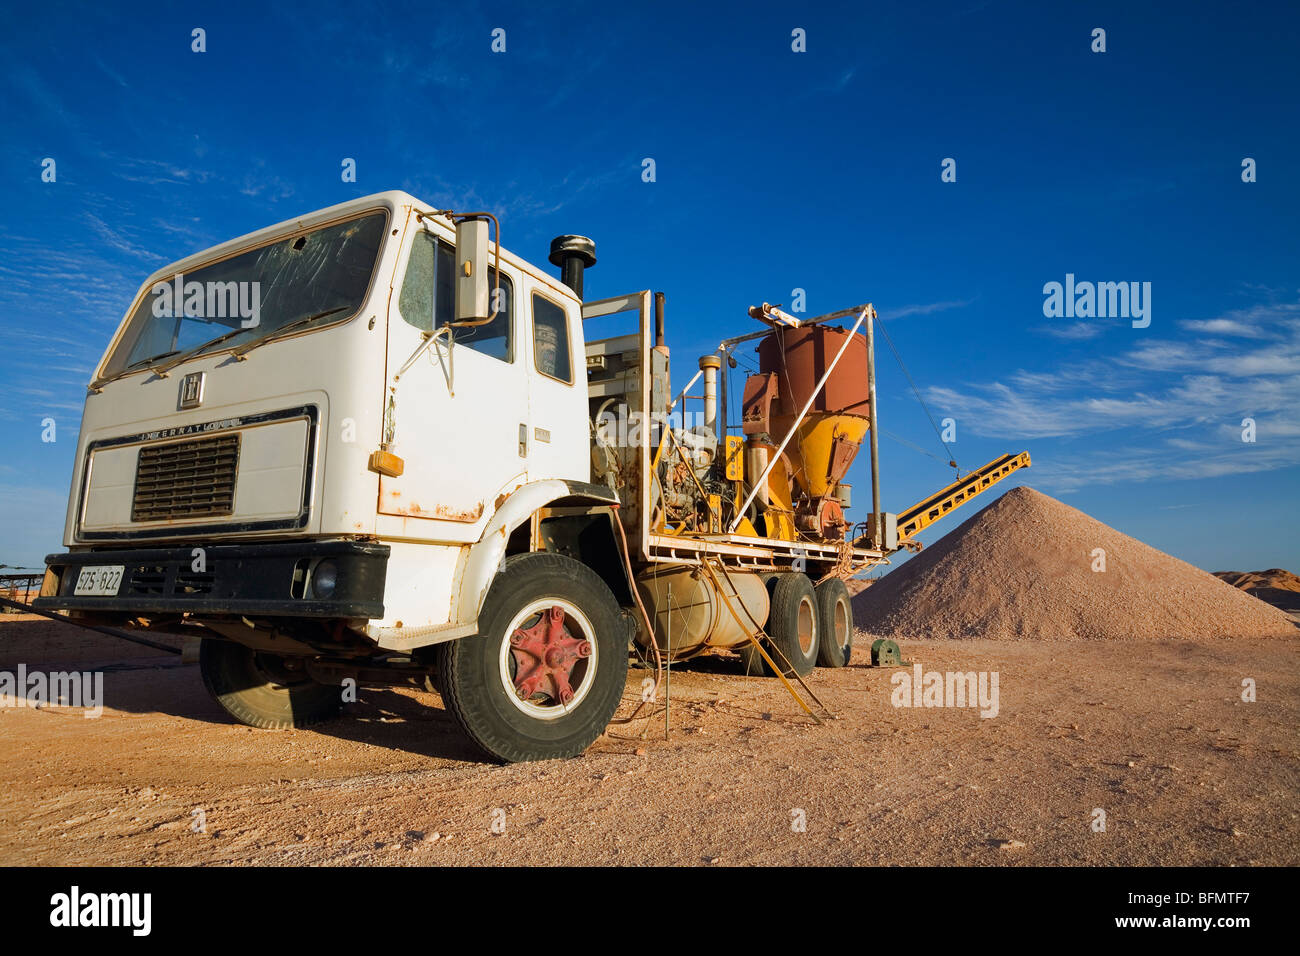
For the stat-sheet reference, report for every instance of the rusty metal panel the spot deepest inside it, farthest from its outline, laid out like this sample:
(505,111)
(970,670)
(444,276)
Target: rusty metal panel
(799,357)
(756,403)
(842,454)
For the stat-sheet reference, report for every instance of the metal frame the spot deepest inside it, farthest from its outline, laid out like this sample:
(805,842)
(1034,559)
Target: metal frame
(738,551)
(641,302)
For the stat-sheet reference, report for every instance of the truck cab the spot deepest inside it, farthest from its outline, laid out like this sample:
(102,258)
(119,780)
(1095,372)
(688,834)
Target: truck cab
(290,442)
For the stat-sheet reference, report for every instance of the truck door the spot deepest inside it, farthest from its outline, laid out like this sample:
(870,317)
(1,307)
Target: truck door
(559,437)
(458,415)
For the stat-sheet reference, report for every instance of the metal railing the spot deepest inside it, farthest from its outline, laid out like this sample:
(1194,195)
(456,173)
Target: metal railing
(21,587)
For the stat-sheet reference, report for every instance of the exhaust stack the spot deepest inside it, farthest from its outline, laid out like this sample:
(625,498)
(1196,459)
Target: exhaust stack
(573,254)
(709,365)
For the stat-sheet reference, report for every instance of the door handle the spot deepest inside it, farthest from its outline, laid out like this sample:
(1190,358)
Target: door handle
(523,440)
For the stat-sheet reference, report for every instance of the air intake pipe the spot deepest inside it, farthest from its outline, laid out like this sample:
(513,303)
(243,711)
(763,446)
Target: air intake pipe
(573,254)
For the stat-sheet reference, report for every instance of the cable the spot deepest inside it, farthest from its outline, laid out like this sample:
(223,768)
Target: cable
(912,445)
(645,617)
(952,459)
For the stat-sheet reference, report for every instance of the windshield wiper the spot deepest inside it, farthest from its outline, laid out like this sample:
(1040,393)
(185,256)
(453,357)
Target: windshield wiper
(152,358)
(138,363)
(162,370)
(283,330)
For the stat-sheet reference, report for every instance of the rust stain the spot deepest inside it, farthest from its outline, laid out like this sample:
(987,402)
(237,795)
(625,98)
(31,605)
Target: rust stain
(453,514)
(441,512)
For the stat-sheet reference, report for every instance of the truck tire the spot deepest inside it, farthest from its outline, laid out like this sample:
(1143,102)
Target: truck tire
(835,614)
(750,659)
(792,626)
(546,671)
(264,690)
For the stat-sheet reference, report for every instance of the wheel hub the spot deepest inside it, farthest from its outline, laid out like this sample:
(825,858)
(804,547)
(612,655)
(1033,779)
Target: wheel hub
(545,656)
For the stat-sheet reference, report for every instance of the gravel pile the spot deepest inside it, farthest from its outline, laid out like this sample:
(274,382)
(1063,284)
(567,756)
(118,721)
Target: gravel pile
(1023,569)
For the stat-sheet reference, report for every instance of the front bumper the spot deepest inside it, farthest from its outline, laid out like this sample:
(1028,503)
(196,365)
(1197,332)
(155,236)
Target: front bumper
(235,579)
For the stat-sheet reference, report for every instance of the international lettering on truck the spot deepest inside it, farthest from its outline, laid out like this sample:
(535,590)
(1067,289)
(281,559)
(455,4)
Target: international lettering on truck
(370,445)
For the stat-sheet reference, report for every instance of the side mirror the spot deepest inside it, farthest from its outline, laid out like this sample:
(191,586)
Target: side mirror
(472,295)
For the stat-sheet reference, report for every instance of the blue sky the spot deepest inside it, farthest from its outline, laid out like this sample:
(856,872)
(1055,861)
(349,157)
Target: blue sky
(775,170)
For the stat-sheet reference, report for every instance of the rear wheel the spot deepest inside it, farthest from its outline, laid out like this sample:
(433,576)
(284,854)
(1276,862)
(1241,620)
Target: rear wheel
(546,671)
(792,626)
(753,662)
(264,690)
(835,614)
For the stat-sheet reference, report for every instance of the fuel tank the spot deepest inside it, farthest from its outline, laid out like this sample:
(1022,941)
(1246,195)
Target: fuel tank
(689,614)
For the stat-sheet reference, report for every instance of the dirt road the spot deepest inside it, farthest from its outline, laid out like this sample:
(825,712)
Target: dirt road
(1155,734)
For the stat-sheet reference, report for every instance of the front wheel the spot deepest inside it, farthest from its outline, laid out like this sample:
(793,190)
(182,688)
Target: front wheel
(264,690)
(546,671)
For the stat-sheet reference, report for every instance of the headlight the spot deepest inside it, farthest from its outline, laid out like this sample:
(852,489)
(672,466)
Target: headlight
(324,579)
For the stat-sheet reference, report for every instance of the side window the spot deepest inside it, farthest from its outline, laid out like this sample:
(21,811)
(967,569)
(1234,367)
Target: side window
(416,301)
(551,339)
(493,339)
(428,300)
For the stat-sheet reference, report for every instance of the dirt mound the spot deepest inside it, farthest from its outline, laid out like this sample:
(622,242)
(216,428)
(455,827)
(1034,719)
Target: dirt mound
(1277,587)
(1023,568)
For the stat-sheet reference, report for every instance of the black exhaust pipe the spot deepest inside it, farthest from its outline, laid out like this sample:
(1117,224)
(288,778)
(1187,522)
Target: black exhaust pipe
(573,254)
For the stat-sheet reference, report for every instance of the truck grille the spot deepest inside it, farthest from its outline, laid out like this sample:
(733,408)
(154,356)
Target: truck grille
(186,479)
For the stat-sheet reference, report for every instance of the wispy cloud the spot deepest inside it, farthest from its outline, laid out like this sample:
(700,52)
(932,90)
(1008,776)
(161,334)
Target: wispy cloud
(1175,406)
(844,79)
(111,74)
(1223,327)
(927,309)
(116,239)
(260,183)
(1075,331)
(152,172)
(1136,463)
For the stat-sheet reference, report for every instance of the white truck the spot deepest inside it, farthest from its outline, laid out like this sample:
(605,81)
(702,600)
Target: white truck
(371,445)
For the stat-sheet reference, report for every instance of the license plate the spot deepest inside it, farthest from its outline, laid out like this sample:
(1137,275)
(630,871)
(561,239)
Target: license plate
(99,579)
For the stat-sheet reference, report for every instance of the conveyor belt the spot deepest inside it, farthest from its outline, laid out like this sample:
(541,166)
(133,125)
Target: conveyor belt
(925,513)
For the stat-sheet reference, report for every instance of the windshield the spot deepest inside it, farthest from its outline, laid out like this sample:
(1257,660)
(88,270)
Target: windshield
(325,272)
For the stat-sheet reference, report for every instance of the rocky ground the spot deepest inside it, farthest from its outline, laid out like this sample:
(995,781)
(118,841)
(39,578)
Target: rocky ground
(1153,733)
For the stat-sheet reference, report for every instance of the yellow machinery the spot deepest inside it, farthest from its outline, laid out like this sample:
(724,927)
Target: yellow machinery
(706,509)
